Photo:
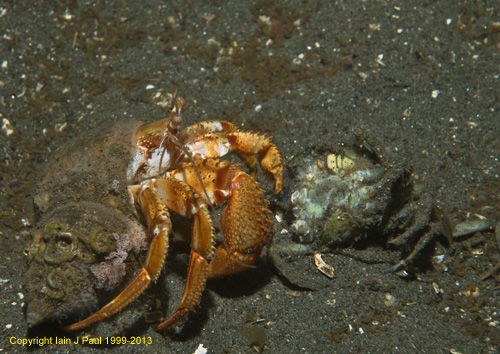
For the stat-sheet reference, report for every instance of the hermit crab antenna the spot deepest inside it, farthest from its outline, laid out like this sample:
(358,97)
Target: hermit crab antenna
(176,142)
(160,172)
(171,136)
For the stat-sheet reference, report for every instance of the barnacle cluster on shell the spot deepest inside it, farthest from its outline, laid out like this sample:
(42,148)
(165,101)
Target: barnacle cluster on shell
(332,193)
(344,197)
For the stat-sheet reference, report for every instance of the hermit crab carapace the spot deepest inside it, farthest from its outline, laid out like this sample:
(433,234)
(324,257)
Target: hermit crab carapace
(87,229)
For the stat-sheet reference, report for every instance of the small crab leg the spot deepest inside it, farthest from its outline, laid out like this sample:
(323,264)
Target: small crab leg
(158,220)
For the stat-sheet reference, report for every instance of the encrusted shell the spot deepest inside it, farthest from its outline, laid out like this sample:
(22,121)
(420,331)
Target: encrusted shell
(87,239)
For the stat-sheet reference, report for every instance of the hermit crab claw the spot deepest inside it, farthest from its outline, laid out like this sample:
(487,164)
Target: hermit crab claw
(77,251)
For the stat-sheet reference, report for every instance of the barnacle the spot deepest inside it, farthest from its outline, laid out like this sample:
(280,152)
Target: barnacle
(57,245)
(332,192)
(61,282)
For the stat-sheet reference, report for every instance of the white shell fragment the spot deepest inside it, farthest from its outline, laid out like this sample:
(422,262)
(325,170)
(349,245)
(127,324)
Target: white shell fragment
(437,289)
(200,350)
(469,227)
(324,268)
(6,127)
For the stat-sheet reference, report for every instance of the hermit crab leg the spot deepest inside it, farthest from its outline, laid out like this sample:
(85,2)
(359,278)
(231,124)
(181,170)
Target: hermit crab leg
(154,198)
(245,225)
(212,139)
(180,198)
(158,220)
(251,146)
(245,222)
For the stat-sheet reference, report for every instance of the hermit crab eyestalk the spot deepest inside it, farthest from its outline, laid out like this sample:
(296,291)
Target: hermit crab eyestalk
(176,114)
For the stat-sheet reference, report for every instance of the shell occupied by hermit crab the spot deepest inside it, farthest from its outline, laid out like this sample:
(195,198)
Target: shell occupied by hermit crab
(86,243)
(74,256)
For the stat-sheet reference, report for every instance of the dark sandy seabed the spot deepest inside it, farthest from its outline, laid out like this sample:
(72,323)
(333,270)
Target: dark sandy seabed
(421,77)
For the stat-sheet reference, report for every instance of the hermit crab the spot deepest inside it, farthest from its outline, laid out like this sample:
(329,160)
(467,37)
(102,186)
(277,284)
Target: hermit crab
(88,237)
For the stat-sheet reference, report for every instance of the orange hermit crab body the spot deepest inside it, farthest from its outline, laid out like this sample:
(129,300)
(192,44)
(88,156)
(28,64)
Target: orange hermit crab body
(170,170)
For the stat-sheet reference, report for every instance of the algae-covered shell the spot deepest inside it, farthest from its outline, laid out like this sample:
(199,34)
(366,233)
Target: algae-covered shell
(355,195)
(332,194)
(91,168)
(87,240)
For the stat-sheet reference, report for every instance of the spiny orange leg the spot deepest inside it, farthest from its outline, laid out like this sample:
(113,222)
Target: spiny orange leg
(212,139)
(245,222)
(158,220)
(182,199)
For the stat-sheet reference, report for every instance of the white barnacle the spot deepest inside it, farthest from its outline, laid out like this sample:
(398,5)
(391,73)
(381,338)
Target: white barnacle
(301,227)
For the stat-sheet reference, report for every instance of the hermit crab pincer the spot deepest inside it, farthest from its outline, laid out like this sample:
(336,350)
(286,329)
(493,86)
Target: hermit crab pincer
(88,235)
